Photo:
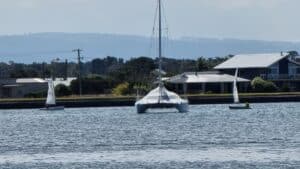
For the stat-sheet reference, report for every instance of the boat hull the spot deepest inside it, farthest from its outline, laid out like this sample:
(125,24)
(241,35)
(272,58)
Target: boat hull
(239,107)
(142,108)
(53,108)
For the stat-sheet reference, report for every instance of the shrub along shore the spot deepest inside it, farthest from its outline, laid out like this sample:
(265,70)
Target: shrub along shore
(118,101)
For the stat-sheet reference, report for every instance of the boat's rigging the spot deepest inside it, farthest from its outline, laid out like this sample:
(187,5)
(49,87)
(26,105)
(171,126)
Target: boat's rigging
(160,14)
(160,52)
(152,37)
(167,32)
(165,36)
(160,97)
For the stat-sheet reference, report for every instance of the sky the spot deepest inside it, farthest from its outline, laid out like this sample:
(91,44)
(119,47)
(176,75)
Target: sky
(274,20)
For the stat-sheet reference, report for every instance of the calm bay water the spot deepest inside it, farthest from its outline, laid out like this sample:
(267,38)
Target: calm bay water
(209,136)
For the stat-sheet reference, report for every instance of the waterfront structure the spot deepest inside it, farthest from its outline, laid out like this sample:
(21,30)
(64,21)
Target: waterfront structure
(282,68)
(17,88)
(21,87)
(205,82)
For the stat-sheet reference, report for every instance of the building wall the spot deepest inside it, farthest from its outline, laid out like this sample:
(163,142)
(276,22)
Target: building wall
(246,73)
(283,66)
(282,69)
(294,69)
(197,88)
(283,73)
(20,90)
(28,88)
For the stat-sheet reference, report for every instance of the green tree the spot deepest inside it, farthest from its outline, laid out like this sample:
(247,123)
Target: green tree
(93,85)
(62,90)
(121,89)
(260,85)
(202,64)
(270,87)
(105,65)
(285,87)
(136,70)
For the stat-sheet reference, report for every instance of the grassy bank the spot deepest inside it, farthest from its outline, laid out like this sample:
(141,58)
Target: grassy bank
(248,94)
(116,98)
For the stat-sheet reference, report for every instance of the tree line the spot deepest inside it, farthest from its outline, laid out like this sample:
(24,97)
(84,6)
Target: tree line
(107,75)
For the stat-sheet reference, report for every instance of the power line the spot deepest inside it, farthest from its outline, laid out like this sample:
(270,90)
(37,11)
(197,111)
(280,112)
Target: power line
(152,37)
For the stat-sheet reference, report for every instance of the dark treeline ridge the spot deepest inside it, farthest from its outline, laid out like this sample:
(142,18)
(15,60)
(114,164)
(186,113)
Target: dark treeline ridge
(110,74)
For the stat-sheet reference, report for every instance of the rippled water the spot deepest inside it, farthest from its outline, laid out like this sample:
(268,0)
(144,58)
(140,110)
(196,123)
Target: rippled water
(209,136)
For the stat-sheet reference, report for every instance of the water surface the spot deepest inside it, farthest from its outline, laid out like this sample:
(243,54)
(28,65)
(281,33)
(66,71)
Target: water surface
(209,136)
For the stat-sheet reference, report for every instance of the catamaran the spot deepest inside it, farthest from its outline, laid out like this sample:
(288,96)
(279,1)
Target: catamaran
(51,100)
(160,97)
(236,99)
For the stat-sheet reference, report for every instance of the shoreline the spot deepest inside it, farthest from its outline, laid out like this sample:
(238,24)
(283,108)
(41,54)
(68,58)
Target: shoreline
(76,102)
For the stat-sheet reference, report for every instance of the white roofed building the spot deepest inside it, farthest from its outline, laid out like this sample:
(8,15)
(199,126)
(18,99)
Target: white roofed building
(249,61)
(21,87)
(64,81)
(202,82)
(283,68)
(26,87)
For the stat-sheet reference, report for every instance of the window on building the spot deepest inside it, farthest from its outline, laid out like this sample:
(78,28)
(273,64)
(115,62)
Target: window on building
(294,69)
(274,69)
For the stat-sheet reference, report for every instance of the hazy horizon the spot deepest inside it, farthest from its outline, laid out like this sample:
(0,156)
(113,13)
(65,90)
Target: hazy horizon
(47,46)
(269,20)
(148,36)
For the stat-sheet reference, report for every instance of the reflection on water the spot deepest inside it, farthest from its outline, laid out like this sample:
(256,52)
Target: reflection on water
(262,155)
(209,136)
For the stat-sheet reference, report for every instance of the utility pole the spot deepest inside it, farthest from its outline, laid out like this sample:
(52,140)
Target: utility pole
(54,68)
(66,70)
(79,69)
(43,70)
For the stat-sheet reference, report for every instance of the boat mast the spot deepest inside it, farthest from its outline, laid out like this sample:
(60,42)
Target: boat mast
(159,50)
(159,43)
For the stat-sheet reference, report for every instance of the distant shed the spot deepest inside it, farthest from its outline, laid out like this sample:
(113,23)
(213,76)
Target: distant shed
(18,88)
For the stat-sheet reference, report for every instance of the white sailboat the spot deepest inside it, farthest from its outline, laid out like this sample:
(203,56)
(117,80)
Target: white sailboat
(51,99)
(160,97)
(236,99)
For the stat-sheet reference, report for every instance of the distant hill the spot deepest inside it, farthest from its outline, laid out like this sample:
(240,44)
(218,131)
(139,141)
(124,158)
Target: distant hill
(47,46)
